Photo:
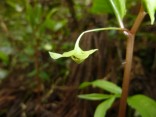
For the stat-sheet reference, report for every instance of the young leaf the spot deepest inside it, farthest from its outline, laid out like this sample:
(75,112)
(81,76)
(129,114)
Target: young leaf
(108,86)
(84,85)
(37,12)
(101,6)
(4,57)
(118,7)
(121,7)
(33,13)
(151,8)
(94,96)
(29,12)
(143,104)
(103,107)
(48,22)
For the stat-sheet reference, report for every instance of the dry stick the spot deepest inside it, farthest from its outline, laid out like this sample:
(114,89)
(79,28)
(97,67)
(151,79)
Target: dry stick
(129,55)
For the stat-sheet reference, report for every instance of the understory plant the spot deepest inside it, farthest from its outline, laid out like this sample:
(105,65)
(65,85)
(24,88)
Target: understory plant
(143,104)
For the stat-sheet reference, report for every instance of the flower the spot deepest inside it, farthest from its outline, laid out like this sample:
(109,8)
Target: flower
(77,54)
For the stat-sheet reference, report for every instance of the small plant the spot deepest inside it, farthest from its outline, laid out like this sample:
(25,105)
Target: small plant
(118,7)
(142,104)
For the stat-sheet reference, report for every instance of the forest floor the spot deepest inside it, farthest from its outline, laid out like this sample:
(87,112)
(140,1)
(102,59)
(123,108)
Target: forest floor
(17,99)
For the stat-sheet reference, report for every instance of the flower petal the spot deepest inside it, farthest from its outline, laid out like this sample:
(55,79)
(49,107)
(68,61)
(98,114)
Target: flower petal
(55,55)
(80,56)
(68,54)
(87,53)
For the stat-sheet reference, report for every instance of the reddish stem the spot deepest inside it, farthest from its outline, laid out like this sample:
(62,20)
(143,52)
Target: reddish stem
(129,56)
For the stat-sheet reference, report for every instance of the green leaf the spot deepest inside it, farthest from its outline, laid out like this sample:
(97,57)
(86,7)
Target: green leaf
(94,96)
(14,5)
(53,24)
(29,12)
(4,57)
(143,104)
(33,13)
(101,6)
(150,6)
(103,107)
(37,13)
(44,76)
(121,7)
(118,7)
(84,85)
(108,86)
(48,23)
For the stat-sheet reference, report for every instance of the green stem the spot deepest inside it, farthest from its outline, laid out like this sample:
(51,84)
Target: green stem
(129,56)
(117,14)
(96,30)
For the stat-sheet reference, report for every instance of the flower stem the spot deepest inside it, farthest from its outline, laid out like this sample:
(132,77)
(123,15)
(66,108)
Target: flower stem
(96,30)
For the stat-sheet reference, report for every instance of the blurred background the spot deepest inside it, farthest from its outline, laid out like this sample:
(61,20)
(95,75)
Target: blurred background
(34,85)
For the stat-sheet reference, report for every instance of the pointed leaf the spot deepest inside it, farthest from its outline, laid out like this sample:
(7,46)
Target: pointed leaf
(108,86)
(48,23)
(84,85)
(4,57)
(37,13)
(101,6)
(29,11)
(151,8)
(94,96)
(121,7)
(103,107)
(143,104)
(105,6)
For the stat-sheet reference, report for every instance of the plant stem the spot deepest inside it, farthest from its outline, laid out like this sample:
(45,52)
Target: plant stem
(129,56)
(126,80)
(36,60)
(138,20)
(96,30)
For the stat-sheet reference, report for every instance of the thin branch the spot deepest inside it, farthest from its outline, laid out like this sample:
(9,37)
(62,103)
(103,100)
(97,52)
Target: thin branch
(138,20)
